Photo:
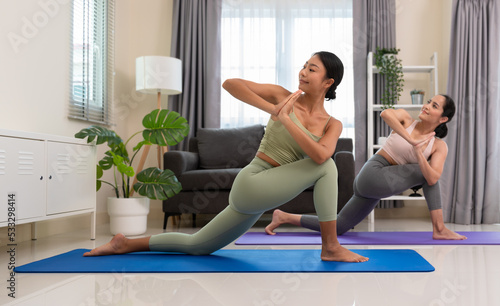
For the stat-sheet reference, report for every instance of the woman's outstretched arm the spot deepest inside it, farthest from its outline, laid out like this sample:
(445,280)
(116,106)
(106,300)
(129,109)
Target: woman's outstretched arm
(398,120)
(273,99)
(263,96)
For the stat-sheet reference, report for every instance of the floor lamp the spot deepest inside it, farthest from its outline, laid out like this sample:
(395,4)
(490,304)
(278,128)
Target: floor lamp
(157,75)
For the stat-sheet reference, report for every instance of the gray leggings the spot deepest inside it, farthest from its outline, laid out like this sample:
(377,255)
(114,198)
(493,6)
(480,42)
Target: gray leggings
(376,180)
(257,188)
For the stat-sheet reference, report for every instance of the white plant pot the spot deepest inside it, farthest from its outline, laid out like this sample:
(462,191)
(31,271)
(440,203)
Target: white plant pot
(128,216)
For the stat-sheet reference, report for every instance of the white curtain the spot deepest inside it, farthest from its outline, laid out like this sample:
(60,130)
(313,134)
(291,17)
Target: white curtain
(269,42)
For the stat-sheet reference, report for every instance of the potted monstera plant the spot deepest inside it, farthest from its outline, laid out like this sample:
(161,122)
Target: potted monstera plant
(128,215)
(391,67)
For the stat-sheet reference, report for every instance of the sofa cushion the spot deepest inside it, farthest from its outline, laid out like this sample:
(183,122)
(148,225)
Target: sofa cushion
(228,148)
(208,179)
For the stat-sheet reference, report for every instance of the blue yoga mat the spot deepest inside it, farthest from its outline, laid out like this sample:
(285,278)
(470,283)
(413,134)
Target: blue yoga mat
(367,238)
(256,261)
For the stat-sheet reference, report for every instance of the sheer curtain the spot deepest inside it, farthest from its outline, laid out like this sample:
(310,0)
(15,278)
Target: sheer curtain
(269,41)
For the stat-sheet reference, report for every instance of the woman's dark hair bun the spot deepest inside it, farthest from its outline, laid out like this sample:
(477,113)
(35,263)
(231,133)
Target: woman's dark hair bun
(331,94)
(334,70)
(448,111)
(441,131)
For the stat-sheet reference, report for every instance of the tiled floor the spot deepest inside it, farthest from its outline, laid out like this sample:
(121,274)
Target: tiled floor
(465,275)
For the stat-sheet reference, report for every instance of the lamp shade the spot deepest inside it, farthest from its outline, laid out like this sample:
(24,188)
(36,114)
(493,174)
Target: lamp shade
(158,74)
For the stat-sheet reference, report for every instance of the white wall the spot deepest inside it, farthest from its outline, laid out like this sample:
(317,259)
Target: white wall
(423,27)
(142,28)
(34,65)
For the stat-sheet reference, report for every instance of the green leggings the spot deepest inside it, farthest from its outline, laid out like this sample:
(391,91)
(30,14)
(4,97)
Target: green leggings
(257,188)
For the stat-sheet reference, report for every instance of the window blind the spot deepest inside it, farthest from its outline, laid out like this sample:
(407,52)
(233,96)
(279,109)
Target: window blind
(92,61)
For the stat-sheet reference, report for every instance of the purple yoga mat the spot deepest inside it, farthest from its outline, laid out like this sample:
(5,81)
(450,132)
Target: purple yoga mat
(367,238)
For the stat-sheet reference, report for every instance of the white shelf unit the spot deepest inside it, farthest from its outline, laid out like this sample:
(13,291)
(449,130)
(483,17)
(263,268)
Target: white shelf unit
(46,177)
(432,70)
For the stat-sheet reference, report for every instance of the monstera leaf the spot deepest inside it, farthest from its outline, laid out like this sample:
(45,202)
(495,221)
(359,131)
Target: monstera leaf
(164,127)
(99,173)
(157,184)
(122,165)
(102,134)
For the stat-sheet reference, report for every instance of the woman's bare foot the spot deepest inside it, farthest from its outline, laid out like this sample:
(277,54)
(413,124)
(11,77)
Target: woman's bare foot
(339,253)
(278,219)
(115,246)
(439,230)
(446,234)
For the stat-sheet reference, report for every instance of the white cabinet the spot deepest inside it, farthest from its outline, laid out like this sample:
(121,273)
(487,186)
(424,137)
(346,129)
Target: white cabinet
(23,174)
(71,177)
(49,176)
(372,107)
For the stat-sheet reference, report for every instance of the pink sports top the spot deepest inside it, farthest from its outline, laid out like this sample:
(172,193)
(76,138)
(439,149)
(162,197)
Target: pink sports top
(401,150)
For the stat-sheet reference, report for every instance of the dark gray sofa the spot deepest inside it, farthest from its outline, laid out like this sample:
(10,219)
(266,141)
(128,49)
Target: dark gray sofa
(215,157)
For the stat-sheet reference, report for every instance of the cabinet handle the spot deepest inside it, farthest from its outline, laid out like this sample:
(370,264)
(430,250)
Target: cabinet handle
(41,177)
(50,177)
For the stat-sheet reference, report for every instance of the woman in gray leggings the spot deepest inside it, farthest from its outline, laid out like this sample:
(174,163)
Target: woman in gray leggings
(294,154)
(413,155)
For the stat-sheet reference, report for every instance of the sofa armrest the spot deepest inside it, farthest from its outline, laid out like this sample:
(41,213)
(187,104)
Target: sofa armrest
(344,161)
(180,161)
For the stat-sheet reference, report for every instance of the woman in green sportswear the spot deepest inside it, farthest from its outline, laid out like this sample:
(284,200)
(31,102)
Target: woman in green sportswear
(294,154)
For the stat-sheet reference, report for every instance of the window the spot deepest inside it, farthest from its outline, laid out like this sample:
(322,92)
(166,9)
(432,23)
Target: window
(92,60)
(269,41)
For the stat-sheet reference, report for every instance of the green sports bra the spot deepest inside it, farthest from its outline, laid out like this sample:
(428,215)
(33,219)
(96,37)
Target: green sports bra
(279,144)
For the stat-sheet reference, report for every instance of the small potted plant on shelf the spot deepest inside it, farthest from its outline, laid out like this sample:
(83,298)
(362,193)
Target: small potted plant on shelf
(390,66)
(417,96)
(128,215)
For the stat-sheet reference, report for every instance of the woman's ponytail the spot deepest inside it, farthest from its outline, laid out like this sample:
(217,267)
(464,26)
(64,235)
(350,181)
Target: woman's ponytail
(448,111)
(441,131)
(334,70)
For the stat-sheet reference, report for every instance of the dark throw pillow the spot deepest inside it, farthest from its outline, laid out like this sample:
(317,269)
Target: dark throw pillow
(228,148)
